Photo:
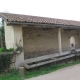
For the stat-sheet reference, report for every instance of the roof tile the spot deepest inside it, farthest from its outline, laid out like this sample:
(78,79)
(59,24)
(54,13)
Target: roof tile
(34,19)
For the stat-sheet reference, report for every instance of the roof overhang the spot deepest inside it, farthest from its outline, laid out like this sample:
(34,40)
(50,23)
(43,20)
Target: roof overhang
(10,21)
(45,25)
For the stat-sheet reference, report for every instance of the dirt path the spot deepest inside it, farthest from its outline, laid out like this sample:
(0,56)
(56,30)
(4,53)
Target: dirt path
(69,73)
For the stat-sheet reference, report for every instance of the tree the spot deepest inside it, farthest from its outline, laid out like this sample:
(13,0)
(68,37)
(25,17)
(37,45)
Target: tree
(2,36)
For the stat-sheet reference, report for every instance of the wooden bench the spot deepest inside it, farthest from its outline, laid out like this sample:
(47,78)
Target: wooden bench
(42,60)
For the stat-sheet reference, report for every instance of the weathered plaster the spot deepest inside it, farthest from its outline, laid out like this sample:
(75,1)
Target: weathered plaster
(13,35)
(9,36)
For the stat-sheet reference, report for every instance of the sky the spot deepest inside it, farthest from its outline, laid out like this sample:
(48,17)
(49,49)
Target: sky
(63,9)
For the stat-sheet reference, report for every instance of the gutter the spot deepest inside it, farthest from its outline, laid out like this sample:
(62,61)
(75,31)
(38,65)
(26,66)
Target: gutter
(46,24)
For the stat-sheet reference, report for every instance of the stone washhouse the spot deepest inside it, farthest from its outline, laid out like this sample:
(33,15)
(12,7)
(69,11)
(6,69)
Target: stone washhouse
(40,36)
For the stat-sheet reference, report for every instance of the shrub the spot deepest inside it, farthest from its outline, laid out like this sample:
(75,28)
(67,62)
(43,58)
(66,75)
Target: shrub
(5,61)
(6,50)
(10,50)
(2,49)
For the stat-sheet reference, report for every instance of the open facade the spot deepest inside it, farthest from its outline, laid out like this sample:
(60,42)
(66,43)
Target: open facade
(40,36)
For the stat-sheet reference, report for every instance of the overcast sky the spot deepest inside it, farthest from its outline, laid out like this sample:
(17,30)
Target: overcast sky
(63,9)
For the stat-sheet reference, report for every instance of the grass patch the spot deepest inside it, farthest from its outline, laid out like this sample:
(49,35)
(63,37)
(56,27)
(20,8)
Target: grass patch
(13,75)
(47,69)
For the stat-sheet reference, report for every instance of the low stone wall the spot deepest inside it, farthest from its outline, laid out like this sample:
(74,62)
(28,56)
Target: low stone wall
(37,54)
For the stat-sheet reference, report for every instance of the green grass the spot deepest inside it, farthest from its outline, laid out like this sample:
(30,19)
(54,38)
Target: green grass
(47,69)
(13,75)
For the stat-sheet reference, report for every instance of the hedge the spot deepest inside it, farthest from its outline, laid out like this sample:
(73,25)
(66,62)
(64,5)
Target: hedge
(5,61)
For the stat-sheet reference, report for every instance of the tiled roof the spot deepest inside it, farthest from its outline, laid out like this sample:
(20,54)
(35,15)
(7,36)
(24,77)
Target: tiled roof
(9,17)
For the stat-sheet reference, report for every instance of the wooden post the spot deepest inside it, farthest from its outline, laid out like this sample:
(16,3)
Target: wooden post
(59,40)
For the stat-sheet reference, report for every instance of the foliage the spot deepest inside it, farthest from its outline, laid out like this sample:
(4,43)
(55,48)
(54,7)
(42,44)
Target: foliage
(2,49)
(5,61)
(10,49)
(2,37)
(6,50)
(19,48)
(12,75)
(2,30)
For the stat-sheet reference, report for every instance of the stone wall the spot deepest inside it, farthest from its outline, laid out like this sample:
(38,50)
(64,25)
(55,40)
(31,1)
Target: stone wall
(42,41)
(39,41)
(66,34)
